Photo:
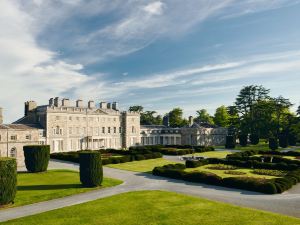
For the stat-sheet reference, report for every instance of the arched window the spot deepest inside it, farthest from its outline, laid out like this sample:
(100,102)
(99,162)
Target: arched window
(13,152)
(57,130)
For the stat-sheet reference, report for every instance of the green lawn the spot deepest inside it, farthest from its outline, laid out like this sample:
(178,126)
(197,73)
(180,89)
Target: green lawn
(141,166)
(155,208)
(213,154)
(37,187)
(222,173)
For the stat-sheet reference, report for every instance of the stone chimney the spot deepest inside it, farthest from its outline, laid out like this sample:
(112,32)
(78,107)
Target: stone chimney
(115,106)
(57,102)
(51,102)
(191,120)
(109,105)
(66,102)
(103,105)
(29,106)
(1,115)
(79,103)
(91,104)
(166,120)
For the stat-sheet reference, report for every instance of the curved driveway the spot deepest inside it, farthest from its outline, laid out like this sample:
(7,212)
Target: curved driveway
(287,203)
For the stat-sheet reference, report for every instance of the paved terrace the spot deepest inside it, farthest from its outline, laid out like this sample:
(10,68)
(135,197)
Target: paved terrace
(287,203)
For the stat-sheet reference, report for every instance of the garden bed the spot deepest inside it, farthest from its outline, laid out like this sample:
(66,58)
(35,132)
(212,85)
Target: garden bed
(270,177)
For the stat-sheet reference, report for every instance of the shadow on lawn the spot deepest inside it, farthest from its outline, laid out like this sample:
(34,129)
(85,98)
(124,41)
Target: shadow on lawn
(48,187)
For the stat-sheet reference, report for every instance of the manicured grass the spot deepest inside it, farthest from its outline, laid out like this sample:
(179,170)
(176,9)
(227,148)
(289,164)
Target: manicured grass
(222,173)
(37,187)
(141,166)
(213,154)
(155,208)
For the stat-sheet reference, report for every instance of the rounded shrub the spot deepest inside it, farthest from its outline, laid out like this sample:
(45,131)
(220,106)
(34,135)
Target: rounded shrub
(36,157)
(273,143)
(230,142)
(243,139)
(283,141)
(8,180)
(90,166)
(254,139)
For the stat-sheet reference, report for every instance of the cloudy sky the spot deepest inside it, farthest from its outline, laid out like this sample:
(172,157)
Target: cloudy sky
(160,54)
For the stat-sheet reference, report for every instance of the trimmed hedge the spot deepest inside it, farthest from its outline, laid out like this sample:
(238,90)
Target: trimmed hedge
(243,139)
(128,156)
(204,148)
(273,143)
(36,157)
(172,149)
(90,166)
(254,139)
(283,141)
(195,163)
(250,184)
(230,142)
(271,186)
(8,180)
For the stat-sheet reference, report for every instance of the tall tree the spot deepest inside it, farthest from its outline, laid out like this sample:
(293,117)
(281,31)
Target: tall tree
(204,117)
(281,111)
(148,117)
(247,97)
(298,111)
(176,118)
(136,108)
(221,117)
(234,120)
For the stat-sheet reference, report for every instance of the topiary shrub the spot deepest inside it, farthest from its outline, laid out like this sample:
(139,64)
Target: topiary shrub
(36,157)
(243,139)
(91,171)
(283,141)
(273,143)
(8,180)
(230,142)
(254,139)
(195,163)
(292,140)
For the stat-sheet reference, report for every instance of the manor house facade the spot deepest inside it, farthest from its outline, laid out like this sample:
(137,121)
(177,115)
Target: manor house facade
(72,127)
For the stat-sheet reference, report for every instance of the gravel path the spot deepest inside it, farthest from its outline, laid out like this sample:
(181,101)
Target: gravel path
(287,203)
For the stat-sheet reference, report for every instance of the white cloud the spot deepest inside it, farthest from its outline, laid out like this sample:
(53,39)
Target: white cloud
(27,70)
(155,8)
(135,24)
(30,30)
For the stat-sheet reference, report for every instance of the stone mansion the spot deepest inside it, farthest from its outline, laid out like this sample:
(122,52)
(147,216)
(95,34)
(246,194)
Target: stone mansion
(72,127)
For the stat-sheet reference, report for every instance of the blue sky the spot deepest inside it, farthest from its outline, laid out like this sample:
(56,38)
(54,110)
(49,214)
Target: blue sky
(160,54)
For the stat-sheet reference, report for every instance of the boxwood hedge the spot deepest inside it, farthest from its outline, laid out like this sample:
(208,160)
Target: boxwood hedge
(127,156)
(90,167)
(36,157)
(8,180)
(267,186)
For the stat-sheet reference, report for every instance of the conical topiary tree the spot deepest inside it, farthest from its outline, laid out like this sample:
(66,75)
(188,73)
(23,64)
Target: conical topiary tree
(283,141)
(91,171)
(8,180)
(230,142)
(243,139)
(254,139)
(273,143)
(36,157)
